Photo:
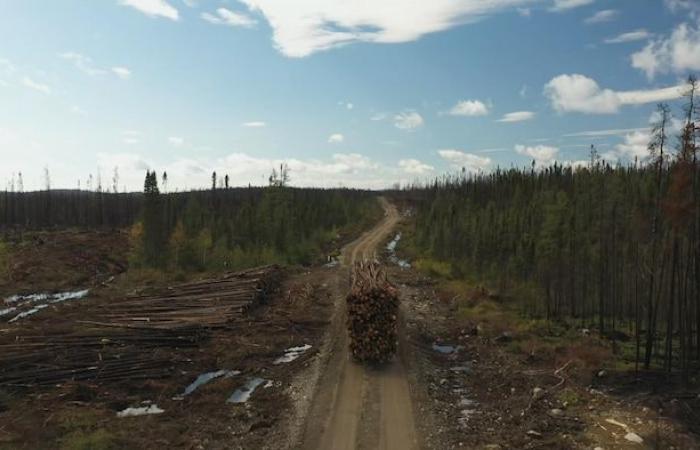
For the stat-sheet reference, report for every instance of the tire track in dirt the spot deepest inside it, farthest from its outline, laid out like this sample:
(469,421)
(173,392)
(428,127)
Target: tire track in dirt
(354,406)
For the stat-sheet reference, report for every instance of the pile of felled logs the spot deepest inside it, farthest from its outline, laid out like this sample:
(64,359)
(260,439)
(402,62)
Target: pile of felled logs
(372,314)
(207,303)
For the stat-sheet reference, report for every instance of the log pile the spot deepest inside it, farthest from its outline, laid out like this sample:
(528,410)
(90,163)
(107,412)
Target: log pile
(141,337)
(372,307)
(207,303)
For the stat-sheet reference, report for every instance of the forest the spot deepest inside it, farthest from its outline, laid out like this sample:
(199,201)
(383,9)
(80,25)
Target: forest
(220,228)
(609,247)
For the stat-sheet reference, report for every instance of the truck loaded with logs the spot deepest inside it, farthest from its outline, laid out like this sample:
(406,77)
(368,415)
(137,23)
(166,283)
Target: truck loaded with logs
(372,314)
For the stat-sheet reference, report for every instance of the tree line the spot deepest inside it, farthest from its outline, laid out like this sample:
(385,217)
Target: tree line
(224,228)
(611,247)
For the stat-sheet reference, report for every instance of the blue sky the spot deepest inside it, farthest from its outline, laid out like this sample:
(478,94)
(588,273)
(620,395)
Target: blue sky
(350,93)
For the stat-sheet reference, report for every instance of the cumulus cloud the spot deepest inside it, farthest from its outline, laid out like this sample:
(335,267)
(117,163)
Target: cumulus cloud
(517,116)
(303,27)
(224,16)
(678,53)
(408,120)
(40,87)
(468,161)
(336,138)
(565,5)
(543,155)
(632,36)
(254,124)
(154,8)
(605,15)
(469,108)
(415,167)
(634,146)
(578,93)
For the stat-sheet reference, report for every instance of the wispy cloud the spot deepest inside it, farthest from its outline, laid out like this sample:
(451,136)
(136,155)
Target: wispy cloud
(40,87)
(153,8)
(224,16)
(606,15)
(122,72)
(254,124)
(605,133)
(176,141)
(565,5)
(632,36)
(517,116)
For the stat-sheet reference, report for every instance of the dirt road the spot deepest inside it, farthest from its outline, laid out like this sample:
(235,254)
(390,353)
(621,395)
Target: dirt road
(356,407)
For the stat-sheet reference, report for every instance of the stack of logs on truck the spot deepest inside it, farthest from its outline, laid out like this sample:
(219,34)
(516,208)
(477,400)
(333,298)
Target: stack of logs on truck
(372,307)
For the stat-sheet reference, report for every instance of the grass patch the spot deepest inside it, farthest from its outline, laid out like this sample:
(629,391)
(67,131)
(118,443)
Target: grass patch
(434,267)
(81,430)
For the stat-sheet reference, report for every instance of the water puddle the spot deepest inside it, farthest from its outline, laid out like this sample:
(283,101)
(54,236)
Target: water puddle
(291,354)
(204,379)
(140,411)
(27,313)
(243,394)
(391,248)
(6,311)
(33,303)
(447,349)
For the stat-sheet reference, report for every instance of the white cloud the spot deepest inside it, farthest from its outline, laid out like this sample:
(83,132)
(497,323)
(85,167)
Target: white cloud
(154,8)
(469,108)
(578,93)
(525,12)
(678,53)
(603,133)
(605,15)
(565,5)
(303,27)
(518,116)
(468,161)
(31,84)
(122,72)
(408,120)
(82,63)
(635,145)
(254,124)
(131,137)
(336,138)
(414,166)
(682,6)
(6,67)
(632,36)
(230,18)
(543,155)
(86,65)
(378,116)
(176,141)
(523,91)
